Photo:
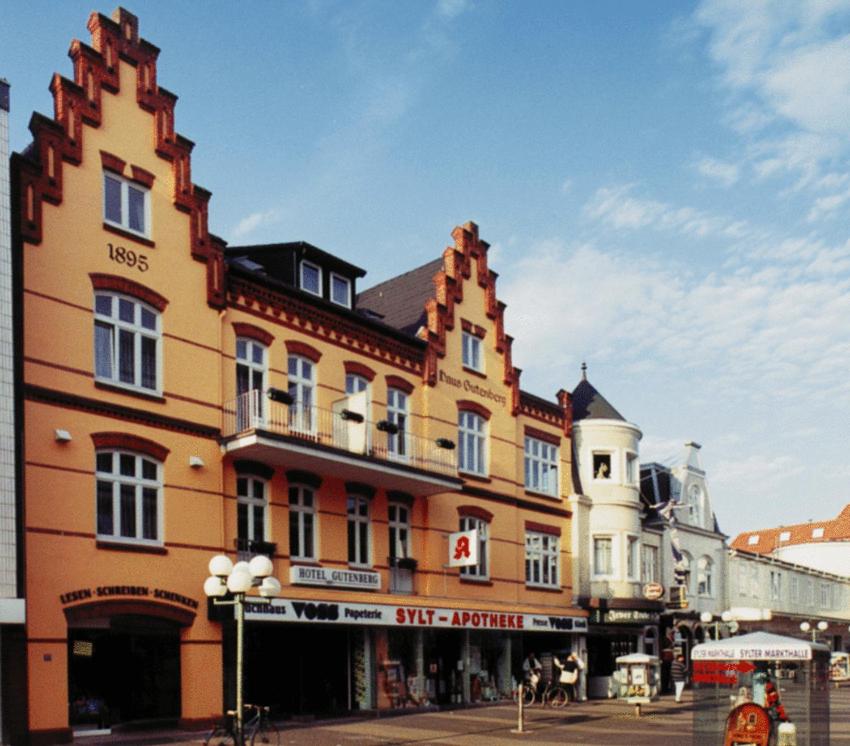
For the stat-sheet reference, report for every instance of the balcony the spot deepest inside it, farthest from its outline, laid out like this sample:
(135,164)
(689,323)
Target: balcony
(340,441)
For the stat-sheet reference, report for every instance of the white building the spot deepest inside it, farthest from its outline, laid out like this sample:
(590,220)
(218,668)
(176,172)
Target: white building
(614,557)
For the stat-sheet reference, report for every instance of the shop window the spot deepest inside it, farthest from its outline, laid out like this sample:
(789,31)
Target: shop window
(480,571)
(126,204)
(129,506)
(705,569)
(311,278)
(359,529)
(302,386)
(250,382)
(397,418)
(472,440)
(126,342)
(601,465)
(251,510)
(340,290)
(302,523)
(542,559)
(471,352)
(603,560)
(541,466)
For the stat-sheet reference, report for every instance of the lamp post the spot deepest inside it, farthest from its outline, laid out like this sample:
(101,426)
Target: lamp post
(706,617)
(821,627)
(238,579)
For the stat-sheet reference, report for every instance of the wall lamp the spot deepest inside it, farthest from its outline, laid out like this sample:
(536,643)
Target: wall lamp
(62,436)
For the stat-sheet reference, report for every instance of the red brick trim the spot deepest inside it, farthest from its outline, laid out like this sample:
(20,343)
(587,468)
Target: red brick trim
(542,528)
(464,405)
(473,329)
(397,382)
(129,442)
(354,368)
(294,347)
(551,438)
(474,511)
(144,177)
(112,162)
(250,331)
(128,287)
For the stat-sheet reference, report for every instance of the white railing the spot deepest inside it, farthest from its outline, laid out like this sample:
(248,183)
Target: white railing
(338,428)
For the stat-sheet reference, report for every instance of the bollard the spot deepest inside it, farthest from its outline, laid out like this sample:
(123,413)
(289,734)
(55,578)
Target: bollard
(520,713)
(637,709)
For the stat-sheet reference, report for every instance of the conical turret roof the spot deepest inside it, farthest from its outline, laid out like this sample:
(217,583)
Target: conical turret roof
(589,404)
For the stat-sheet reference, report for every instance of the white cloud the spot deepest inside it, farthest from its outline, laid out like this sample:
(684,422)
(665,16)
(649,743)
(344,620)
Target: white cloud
(255,220)
(719,171)
(451,8)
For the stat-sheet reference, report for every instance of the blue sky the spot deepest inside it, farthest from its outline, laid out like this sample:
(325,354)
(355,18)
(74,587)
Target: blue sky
(665,187)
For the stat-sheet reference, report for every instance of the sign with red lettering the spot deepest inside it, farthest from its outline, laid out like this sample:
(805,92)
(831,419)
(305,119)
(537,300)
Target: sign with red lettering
(463,548)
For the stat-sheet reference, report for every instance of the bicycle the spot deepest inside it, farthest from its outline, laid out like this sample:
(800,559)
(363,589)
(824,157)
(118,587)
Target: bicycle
(553,694)
(258,730)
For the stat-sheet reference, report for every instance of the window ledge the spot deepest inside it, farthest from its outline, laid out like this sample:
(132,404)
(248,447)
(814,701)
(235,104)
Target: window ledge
(121,546)
(305,562)
(119,389)
(129,235)
(474,372)
(475,581)
(538,493)
(474,477)
(544,588)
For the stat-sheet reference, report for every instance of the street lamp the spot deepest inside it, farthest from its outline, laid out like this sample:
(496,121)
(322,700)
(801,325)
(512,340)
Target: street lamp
(706,617)
(238,579)
(821,627)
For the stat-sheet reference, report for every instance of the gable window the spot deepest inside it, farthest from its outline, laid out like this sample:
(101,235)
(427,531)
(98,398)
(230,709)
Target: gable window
(251,507)
(471,352)
(302,523)
(601,465)
(311,278)
(126,342)
(397,441)
(541,466)
(542,552)
(481,570)
(126,204)
(705,568)
(129,508)
(340,290)
(649,564)
(250,377)
(358,530)
(472,440)
(603,561)
(301,389)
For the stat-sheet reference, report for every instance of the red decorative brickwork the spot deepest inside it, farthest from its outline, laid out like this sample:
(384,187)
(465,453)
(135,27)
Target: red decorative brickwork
(128,287)
(552,439)
(396,382)
(464,405)
(253,332)
(473,511)
(143,177)
(294,347)
(352,367)
(127,442)
(78,102)
(542,528)
(112,162)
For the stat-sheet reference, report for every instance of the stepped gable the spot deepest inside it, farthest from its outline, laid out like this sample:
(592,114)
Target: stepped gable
(77,104)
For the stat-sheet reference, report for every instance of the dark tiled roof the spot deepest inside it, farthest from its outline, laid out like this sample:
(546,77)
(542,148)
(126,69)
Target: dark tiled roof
(400,301)
(589,404)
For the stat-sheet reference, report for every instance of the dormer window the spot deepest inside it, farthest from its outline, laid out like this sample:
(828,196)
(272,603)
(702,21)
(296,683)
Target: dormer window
(311,278)
(340,290)
(753,540)
(817,533)
(784,535)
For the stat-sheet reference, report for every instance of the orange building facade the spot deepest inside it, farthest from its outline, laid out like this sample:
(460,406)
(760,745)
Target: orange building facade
(183,399)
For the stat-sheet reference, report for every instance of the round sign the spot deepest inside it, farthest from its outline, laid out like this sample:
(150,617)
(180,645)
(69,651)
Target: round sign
(653,591)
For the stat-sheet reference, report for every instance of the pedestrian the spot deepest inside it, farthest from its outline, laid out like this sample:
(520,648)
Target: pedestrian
(531,671)
(679,673)
(569,675)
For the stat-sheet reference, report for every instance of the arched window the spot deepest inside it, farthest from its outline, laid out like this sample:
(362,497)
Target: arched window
(251,510)
(397,416)
(481,571)
(251,369)
(126,342)
(302,390)
(129,504)
(359,530)
(472,442)
(302,522)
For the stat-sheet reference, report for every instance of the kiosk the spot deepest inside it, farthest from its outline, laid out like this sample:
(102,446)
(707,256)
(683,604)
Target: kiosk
(761,688)
(839,667)
(638,678)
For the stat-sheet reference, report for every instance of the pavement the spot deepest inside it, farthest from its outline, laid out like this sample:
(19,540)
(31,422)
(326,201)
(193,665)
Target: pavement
(592,723)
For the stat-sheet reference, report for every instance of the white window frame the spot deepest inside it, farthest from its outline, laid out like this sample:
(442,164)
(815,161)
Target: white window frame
(632,549)
(359,526)
(302,389)
(337,277)
(481,571)
(398,414)
(817,533)
(299,510)
(541,461)
(631,468)
(138,483)
(305,263)
(597,571)
(542,560)
(611,462)
(753,540)
(649,568)
(257,376)
(115,325)
(472,443)
(124,223)
(246,488)
(399,529)
(705,579)
(472,352)
(784,536)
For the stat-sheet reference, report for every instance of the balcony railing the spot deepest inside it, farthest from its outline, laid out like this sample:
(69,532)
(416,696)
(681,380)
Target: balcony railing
(338,428)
